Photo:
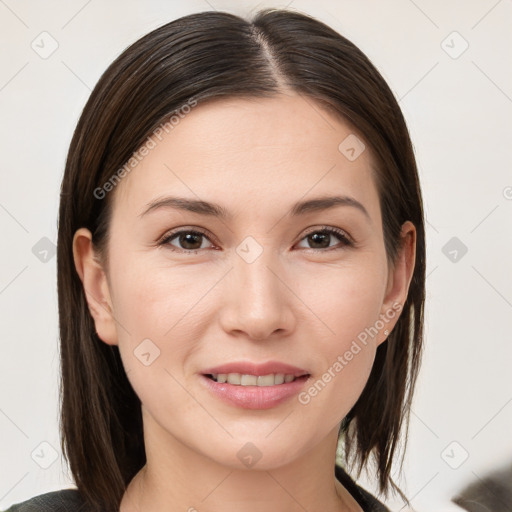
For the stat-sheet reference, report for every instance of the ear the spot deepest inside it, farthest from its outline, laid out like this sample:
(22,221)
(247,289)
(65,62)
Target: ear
(399,279)
(94,281)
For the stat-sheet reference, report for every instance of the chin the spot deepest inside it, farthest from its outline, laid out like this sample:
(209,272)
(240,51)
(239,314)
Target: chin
(254,456)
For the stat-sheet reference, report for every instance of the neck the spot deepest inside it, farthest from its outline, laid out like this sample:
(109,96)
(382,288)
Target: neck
(177,477)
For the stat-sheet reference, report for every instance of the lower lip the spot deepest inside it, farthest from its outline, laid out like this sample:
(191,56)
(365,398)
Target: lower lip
(255,397)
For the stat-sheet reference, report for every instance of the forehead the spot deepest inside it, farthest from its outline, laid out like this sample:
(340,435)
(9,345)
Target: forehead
(254,152)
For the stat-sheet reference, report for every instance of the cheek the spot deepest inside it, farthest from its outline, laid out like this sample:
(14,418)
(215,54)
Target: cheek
(348,304)
(159,312)
(155,300)
(346,298)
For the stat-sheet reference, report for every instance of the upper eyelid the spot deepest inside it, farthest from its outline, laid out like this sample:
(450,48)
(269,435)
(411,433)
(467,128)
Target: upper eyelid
(327,228)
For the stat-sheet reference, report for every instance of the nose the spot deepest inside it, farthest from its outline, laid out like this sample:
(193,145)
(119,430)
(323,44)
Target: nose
(257,301)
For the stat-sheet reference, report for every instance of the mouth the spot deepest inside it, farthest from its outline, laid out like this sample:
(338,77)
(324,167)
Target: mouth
(251,385)
(248,391)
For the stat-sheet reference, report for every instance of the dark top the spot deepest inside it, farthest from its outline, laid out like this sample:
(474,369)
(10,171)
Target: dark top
(70,500)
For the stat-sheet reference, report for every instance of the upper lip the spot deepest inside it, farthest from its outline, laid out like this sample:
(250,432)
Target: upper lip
(249,368)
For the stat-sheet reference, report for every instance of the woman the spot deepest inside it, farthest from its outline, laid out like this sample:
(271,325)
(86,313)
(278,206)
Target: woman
(241,273)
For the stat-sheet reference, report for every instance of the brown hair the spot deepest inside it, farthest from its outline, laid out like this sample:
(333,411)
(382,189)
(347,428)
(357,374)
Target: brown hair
(206,56)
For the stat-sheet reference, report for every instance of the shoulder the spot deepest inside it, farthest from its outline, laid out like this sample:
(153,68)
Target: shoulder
(65,500)
(367,501)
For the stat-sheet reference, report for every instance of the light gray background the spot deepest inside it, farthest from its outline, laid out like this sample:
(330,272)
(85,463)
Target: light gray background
(458,108)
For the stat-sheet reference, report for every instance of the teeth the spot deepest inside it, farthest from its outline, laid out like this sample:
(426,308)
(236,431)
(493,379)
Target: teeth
(253,380)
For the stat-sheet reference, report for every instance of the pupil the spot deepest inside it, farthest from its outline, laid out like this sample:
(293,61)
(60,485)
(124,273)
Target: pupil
(188,239)
(323,236)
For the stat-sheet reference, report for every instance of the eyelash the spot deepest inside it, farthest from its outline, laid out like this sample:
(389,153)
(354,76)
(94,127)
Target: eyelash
(347,242)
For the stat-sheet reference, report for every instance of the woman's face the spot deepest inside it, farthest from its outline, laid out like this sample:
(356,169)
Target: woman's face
(261,283)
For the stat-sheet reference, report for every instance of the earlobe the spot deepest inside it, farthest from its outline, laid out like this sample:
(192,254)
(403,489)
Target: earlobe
(95,284)
(399,279)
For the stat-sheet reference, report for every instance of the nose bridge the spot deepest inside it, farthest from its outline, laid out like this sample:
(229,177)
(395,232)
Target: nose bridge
(256,278)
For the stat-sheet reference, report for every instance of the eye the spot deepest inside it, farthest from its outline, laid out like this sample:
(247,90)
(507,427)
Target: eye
(191,241)
(188,240)
(320,238)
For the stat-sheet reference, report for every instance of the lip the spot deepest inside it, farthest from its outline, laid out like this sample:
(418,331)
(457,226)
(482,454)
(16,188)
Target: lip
(248,368)
(254,397)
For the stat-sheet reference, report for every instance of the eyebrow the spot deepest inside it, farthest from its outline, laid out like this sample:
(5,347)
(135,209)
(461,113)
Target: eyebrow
(216,210)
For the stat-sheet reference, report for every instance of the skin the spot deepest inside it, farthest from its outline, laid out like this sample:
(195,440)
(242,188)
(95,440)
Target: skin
(298,302)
